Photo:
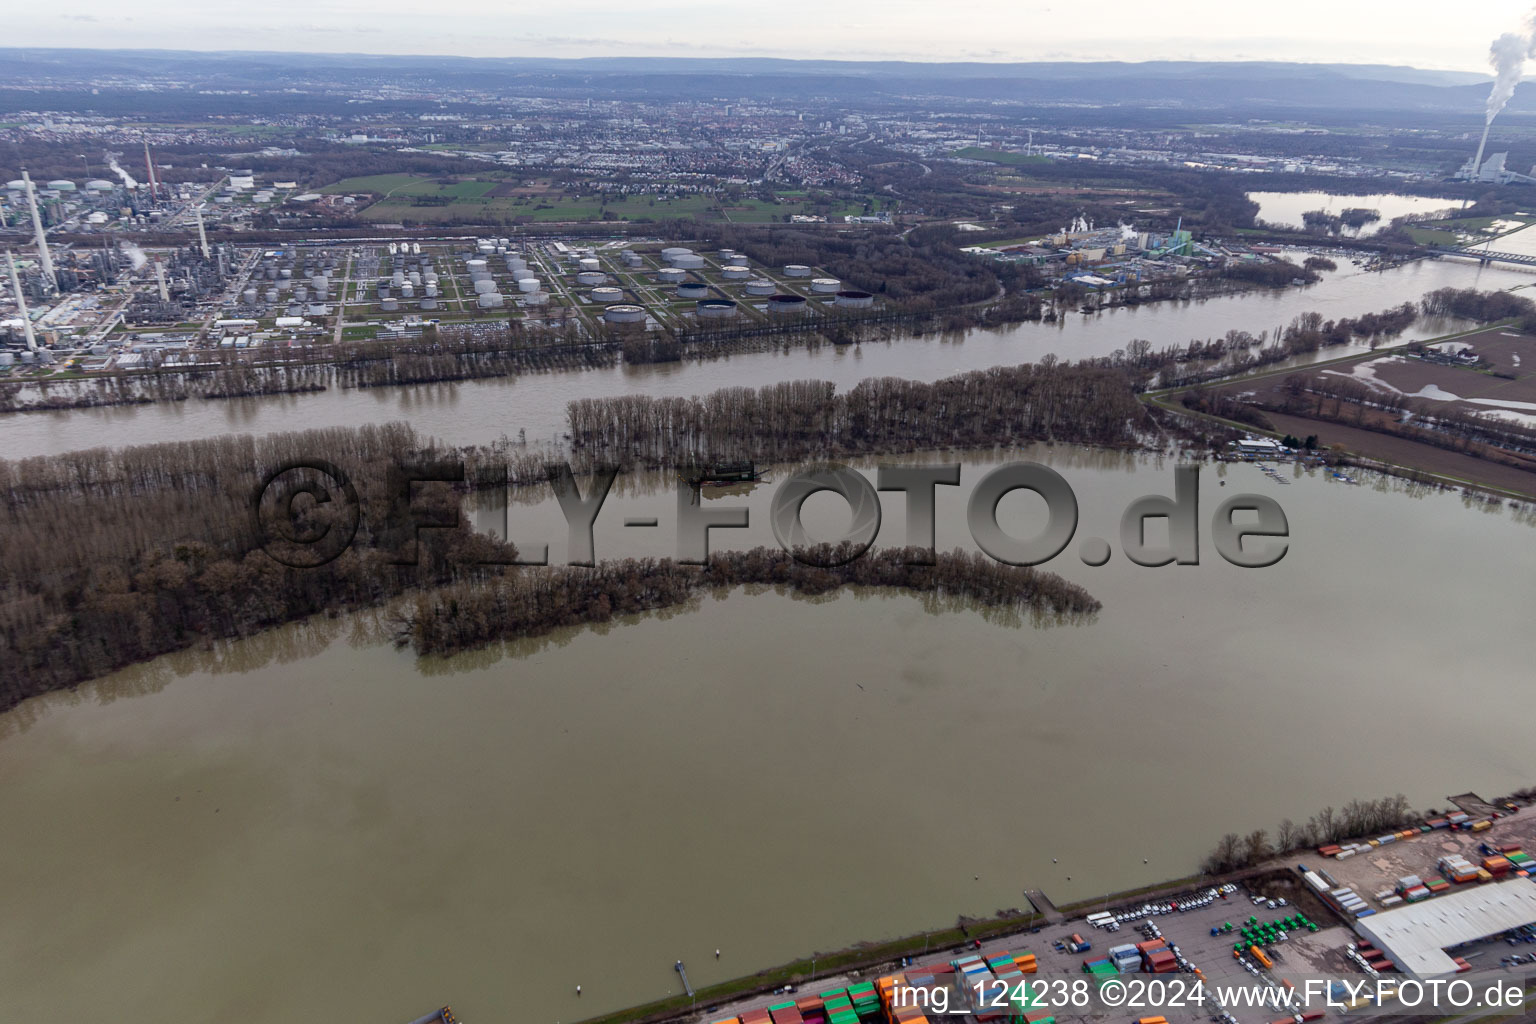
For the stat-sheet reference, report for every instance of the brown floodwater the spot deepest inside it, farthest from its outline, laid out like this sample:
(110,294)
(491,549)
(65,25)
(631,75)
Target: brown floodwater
(312,824)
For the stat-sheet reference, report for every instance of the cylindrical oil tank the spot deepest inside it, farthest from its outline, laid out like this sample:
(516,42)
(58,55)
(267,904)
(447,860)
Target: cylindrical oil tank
(384,291)
(715,308)
(762,286)
(674,250)
(414,277)
(286,272)
(797,270)
(607,294)
(726,254)
(485,286)
(692,290)
(319,281)
(271,294)
(826,285)
(523,275)
(389,305)
(474,265)
(397,278)
(429,303)
(248,296)
(670,275)
(781,305)
(430,290)
(854,300)
(624,314)
(591,277)
(589,263)
(737,260)
(528,284)
(735,273)
(687,261)
(536,299)
(406,291)
(489,300)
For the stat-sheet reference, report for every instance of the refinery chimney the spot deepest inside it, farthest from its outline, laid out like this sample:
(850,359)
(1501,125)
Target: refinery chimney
(1477,161)
(202,236)
(21,301)
(50,282)
(154,189)
(165,296)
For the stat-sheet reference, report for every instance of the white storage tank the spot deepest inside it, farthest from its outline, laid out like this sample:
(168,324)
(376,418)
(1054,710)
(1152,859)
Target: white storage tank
(854,300)
(607,294)
(536,299)
(737,260)
(735,273)
(489,300)
(474,265)
(431,290)
(624,314)
(692,290)
(675,250)
(687,261)
(715,308)
(528,285)
(797,270)
(406,291)
(762,286)
(590,277)
(826,285)
(523,275)
(429,302)
(389,305)
(784,305)
(485,287)
(670,275)
(590,264)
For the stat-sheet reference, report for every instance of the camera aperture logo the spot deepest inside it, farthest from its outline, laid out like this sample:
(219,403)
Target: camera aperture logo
(308,513)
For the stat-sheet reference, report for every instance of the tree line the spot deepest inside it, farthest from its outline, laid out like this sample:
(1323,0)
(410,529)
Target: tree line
(1046,401)
(1329,825)
(530,603)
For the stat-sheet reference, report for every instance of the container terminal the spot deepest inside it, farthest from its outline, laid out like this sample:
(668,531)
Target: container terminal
(1448,896)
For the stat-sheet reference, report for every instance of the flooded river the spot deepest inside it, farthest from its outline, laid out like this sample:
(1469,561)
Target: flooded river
(311,824)
(481,411)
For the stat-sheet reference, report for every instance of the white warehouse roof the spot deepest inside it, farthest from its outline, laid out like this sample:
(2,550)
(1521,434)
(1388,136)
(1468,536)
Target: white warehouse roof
(1416,937)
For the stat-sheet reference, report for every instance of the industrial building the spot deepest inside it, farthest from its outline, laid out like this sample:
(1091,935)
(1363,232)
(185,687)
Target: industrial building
(1416,937)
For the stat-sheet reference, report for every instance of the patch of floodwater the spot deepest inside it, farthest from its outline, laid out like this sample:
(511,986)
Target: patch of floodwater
(1506,403)
(1365,373)
(1435,393)
(1526,419)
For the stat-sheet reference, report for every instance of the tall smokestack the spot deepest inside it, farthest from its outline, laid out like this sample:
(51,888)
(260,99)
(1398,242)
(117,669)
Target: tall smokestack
(149,165)
(165,296)
(202,236)
(21,301)
(1477,163)
(50,282)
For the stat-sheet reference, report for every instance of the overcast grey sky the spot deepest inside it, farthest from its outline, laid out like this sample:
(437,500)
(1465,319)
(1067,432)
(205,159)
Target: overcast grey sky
(1418,32)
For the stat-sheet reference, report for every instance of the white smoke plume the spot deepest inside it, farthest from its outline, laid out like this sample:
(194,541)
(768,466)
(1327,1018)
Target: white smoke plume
(1507,55)
(117,169)
(135,255)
